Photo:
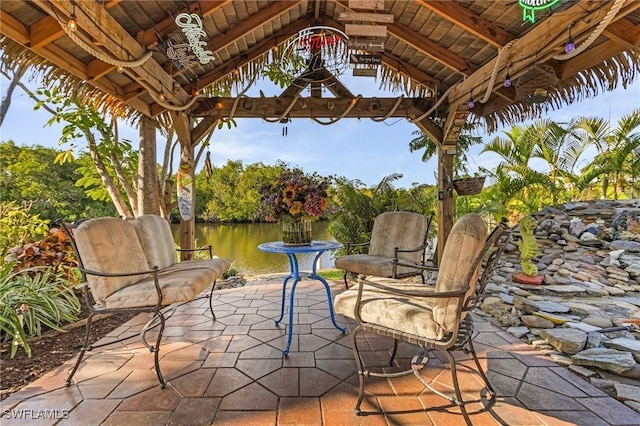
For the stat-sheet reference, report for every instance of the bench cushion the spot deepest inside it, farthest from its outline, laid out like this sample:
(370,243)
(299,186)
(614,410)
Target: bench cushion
(377,266)
(110,245)
(157,241)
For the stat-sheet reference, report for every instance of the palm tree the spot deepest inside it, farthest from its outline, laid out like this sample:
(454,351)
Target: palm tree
(618,160)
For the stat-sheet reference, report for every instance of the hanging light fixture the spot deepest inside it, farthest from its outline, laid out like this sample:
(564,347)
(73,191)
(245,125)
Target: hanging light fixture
(72,23)
(120,69)
(471,102)
(570,46)
(507,78)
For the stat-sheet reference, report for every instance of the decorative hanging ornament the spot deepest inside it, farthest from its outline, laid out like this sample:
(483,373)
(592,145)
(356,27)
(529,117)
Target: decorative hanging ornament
(208,168)
(529,8)
(507,79)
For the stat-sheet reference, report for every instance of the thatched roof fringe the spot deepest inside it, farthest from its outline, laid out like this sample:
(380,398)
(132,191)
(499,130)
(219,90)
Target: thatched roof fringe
(618,70)
(395,81)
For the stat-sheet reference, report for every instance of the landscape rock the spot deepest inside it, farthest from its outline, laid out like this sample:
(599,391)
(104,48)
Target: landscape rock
(566,340)
(606,359)
(598,322)
(536,322)
(525,305)
(627,392)
(624,344)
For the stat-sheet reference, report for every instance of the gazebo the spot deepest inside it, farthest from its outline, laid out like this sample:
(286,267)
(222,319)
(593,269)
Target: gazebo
(189,62)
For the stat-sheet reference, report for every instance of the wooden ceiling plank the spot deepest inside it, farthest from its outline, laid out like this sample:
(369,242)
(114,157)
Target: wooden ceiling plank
(543,38)
(431,129)
(101,26)
(14,29)
(254,52)
(45,31)
(469,21)
(624,32)
(419,76)
(97,69)
(256,20)
(149,37)
(430,48)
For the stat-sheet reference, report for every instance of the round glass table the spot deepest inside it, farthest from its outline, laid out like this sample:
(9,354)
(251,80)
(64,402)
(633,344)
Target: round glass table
(318,247)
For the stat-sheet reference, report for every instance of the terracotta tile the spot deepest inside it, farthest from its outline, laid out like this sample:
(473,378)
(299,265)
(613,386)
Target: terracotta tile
(257,368)
(221,359)
(537,398)
(509,411)
(299,411)
(245,418)
(241,342)
(283,382)
(546,378)
(236,330)
(194,384)
(252,397)
(611,410)
(45,409)
(226,381)
(404,410)
(194,411)
(217,344)
(197,336)
(154,399)
(265,335)
(102,386)
(314,382)
(570,418)
(577,381)
(128,418)
(262,351)
(91,412)
(346,418)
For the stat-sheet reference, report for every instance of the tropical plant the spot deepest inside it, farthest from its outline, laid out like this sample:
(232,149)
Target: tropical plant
(18,226)
(30,299)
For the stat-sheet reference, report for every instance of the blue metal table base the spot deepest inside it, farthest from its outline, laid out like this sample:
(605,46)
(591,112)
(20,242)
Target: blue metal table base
(296,275)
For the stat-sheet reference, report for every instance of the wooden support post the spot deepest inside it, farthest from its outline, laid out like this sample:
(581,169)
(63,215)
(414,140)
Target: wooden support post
(445,199)
(188,227)
(148,195)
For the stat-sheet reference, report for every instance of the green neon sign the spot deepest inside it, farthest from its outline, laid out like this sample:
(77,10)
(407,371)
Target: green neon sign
(529,8)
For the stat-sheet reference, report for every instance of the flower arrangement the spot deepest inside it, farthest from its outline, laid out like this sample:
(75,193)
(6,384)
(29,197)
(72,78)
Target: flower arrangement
(293,196)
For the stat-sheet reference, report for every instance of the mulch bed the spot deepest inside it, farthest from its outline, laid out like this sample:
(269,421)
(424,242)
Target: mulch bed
(49,351)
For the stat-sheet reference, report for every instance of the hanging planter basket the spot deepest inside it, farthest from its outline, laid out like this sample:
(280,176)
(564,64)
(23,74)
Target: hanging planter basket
(533,85)
(468,185)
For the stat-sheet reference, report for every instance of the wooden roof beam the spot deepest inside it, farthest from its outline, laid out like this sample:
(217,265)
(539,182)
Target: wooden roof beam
(544,38)
(94,20)
(251,23)
(624,32)
(273,107)
(431,49)
(469,21)
(399,65)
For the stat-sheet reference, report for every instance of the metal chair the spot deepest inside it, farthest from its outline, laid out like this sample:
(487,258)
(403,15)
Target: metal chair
(131,267)
(432,318)
(398,243)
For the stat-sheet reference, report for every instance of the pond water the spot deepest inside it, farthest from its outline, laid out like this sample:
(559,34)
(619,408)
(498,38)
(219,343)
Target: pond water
(239,243)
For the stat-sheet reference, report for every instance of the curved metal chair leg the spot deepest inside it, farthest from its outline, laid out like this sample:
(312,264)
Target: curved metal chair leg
(359,365)
(458,400)
(156,351)
(213,286)
(472,351)
(344,277)
(394,351)
(85,348)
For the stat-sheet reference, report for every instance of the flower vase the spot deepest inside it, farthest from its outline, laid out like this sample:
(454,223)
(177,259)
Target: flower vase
(297,233)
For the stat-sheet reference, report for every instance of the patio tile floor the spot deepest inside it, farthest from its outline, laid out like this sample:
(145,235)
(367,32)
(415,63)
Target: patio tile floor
(232,372)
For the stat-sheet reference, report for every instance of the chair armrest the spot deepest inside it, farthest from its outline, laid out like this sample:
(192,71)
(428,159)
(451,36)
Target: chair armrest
(399,250)
(420,267)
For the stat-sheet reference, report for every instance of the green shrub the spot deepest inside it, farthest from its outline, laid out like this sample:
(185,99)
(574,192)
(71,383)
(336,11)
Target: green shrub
(231,272)
(31,298)
(18,226)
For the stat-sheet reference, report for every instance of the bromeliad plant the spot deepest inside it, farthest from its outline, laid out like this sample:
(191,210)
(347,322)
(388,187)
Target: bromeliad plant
(293,196)
(30,299)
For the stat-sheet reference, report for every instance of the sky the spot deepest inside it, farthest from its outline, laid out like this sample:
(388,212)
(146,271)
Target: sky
(361,150)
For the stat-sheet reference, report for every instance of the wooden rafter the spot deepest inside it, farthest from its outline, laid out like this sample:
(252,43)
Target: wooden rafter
(469,21)
(310,107)
(542,42)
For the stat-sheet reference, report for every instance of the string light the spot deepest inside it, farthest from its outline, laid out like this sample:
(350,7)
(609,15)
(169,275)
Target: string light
(570,46)
(72,23)
(120,69)
(507,78)
(471,103)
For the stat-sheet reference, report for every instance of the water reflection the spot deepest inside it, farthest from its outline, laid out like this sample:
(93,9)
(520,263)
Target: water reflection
(239,243)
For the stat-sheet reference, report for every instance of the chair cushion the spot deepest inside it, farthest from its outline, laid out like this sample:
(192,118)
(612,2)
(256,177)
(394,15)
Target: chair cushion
(463,245)
(405,230)
(217,266)
(111,245)
(376,266)
(407,314)
(176,286)
(157,240)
